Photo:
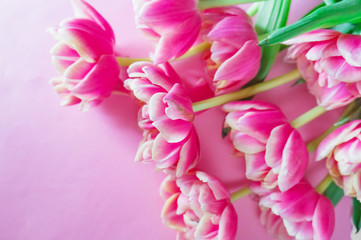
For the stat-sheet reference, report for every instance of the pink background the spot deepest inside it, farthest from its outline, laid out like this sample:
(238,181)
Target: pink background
(66,174)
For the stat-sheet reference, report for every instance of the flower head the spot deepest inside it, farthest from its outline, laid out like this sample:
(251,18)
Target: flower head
(330,63)
(342,148)
(174,25)
(85,57)
(234,57)
(305,213)
(274,151)
(166,116)
(198,206)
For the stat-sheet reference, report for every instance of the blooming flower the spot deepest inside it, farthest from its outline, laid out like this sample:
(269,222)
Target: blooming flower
(166,116)
(329,62)
(274,151)
(234,57)
(305,213)
(85,57)
(198,206)
(342,148)
(174,25)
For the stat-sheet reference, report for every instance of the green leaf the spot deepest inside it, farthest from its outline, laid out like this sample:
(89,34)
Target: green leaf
(334,193)
(352,112)
(225,131)
(356,214)
(271,16)
(324,17)
(345,28)
(329,2)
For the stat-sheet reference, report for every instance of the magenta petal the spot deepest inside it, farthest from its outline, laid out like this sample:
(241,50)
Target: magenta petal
(339,69)
(101,80)
(158,77)
(84,37)
(335,138)
(295,51)
(157,107)
(248,105)
(173,130)
(298,203)
(189,154)
(83,9)
(247,144)
(228,224)
(205,228)
(170,216)
(256,167)
(314,36)
(323,221)
(179,104)
(276,144)
(315,53)
(233,31)
(350,48)
(294,162)
(218,189)
(239,69)
(63,56)
(76,72)
(174,44)
(165,154)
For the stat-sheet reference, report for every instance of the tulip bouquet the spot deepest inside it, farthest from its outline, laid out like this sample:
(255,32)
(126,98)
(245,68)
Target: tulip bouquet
(238,48)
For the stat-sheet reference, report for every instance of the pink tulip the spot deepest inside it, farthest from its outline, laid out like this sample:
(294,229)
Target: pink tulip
(85,57)
(330,63)
(166,116)
(274,151)
(234,57)
(198,206)
(306,214)
(174,25)
(342,148)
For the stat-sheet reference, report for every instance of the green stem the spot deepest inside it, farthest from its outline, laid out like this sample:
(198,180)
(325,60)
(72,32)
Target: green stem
(312,146)
(128,61)
(252,10)
(191,52)
(240,193)
(195,50)
(308,116)
(246,92)
(323,185)
(205,4)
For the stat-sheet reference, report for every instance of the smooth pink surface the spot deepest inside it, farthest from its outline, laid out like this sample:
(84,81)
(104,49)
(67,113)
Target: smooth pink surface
(66,174)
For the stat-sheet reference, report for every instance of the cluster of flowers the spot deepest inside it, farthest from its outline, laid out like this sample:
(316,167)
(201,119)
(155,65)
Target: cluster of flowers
(197,205)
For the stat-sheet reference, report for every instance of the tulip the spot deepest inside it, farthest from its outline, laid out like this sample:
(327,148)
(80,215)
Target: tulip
(166,116)
(198,206)
(274,151)
(329,62)
(342,150)
(173,25)
(305,213)
(234,57)
(85,57)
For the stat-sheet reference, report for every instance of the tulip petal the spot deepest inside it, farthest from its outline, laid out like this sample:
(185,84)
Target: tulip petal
(350,48)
